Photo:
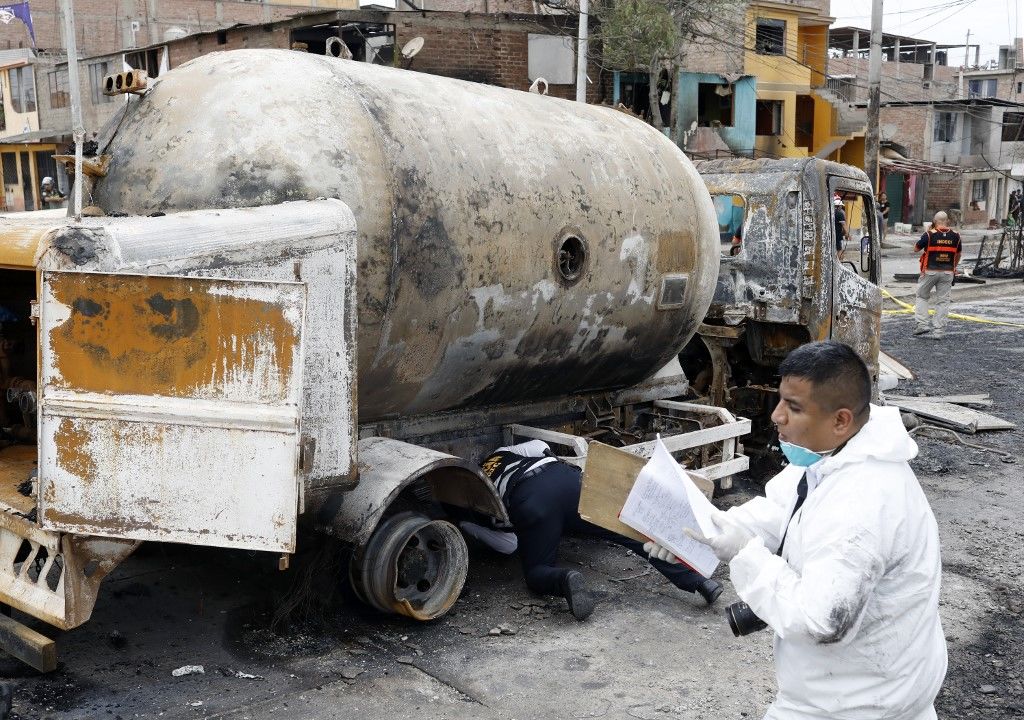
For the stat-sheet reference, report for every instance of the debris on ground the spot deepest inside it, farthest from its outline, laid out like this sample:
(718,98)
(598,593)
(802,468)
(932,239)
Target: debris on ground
(955,417)
(351,672)
(188,670)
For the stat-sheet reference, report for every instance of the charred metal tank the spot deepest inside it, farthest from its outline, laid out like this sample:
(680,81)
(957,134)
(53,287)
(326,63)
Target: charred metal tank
(512,246)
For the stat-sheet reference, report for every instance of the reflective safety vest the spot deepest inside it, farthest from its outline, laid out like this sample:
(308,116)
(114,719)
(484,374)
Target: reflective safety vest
(941,250)
(505,468)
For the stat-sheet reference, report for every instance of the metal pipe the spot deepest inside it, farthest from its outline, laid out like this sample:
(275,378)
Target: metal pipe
(77,128)
(581,52)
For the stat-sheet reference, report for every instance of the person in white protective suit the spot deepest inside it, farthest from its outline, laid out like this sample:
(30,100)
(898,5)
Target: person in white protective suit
(841,558)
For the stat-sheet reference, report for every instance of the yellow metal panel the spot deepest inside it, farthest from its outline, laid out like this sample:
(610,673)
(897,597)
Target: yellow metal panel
(169,336)
(18,245)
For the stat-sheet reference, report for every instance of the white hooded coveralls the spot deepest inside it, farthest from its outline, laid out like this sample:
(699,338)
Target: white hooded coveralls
(853,599)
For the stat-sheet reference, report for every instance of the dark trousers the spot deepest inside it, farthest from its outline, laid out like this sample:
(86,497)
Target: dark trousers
(543,506)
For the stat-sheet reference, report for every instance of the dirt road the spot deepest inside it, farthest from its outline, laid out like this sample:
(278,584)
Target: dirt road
(649,651)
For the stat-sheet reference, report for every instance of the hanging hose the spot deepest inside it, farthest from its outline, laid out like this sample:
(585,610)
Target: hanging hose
(1007,457)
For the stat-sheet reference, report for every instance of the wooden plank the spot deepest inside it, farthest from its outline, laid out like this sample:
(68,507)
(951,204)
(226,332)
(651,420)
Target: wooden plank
(954,416)
(607,480)
(981,400)
(27,645)
(894,367)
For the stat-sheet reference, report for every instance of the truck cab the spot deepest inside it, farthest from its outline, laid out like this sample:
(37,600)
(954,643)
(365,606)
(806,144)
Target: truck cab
(800,261)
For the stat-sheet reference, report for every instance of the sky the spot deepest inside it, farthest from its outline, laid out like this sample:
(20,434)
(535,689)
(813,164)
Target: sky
(992,22)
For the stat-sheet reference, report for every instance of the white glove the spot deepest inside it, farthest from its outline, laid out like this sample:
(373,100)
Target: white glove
(729,542)
(657,552)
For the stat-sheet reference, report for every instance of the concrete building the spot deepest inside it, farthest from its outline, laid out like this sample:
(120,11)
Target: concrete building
(507,50)
(26,151)
(755,85)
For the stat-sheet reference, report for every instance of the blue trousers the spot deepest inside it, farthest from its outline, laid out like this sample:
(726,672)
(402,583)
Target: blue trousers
(544,506)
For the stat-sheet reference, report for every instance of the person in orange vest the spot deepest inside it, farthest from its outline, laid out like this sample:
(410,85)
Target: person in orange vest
(940,250)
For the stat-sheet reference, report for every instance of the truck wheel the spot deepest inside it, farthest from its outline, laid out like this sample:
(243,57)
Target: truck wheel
(412,566)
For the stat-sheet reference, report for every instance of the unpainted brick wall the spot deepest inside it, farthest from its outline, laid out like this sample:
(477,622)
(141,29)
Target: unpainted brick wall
(103,26)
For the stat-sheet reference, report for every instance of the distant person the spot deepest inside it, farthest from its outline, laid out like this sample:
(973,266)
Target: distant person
(842,233)
(883,211)
(50,195)
(1015,206)
(940,249)
(542,496)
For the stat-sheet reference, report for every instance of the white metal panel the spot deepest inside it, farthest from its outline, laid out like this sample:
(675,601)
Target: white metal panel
(201,445)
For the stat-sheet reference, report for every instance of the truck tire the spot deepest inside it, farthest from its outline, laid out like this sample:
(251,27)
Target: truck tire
(411,565)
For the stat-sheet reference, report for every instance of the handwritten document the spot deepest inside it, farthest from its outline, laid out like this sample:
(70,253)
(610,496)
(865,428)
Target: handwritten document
(663,503)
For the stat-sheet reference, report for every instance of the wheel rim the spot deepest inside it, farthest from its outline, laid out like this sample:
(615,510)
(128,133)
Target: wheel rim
(412,565)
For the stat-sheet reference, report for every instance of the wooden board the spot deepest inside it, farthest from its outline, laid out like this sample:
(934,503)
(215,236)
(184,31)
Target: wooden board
(607,480)
(893,366)
(954,416)
(981,400)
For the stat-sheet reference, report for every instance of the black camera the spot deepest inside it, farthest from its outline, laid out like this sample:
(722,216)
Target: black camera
(743,620)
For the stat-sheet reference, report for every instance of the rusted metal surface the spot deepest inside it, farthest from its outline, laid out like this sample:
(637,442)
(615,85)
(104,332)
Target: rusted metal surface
(309,242)
(20,239)
(51,576)
(386,468)
(463,195)
(787,273)
(413,566)
(141,373)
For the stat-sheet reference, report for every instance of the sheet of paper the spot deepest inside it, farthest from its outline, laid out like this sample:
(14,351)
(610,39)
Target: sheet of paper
(663,503)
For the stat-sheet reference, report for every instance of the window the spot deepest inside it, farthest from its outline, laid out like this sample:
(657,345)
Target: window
(58,84)
(98,71)
(10,163)
(981,88)
(731,210)
(714,105)
(979,194)
(771,37)
(23,89)
(1013,127)
(551,57)
(768,120)
(148,60)
(945,127)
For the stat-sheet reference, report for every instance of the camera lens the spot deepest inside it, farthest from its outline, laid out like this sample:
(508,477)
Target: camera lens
(743,620)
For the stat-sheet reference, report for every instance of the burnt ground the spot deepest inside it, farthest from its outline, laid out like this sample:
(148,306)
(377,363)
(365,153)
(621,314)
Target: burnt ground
(649,651)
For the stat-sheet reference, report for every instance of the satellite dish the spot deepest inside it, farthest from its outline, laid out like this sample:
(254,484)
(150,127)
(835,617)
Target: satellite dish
(412,47)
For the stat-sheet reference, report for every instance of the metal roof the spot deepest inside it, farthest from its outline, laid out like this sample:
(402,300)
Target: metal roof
(910,166)
(842,37)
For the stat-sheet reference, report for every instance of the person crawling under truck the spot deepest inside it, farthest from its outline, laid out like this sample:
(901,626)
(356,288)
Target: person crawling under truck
(542,496)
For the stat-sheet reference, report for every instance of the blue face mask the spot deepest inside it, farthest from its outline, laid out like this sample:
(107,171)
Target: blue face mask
(799,456)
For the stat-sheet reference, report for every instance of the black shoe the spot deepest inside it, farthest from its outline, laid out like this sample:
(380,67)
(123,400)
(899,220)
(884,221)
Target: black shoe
(710,590)
(574,589)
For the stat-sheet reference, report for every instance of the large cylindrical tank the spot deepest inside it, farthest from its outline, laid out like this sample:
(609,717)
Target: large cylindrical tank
(512,246)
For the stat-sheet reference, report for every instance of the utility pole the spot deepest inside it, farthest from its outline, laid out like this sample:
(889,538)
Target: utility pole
(77,128)
(581,52)
(871,142)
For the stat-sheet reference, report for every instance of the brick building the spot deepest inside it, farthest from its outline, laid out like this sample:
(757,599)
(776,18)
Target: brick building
(36,117)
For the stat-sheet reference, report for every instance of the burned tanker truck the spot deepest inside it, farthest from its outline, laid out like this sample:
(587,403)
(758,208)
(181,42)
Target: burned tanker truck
(319,291)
